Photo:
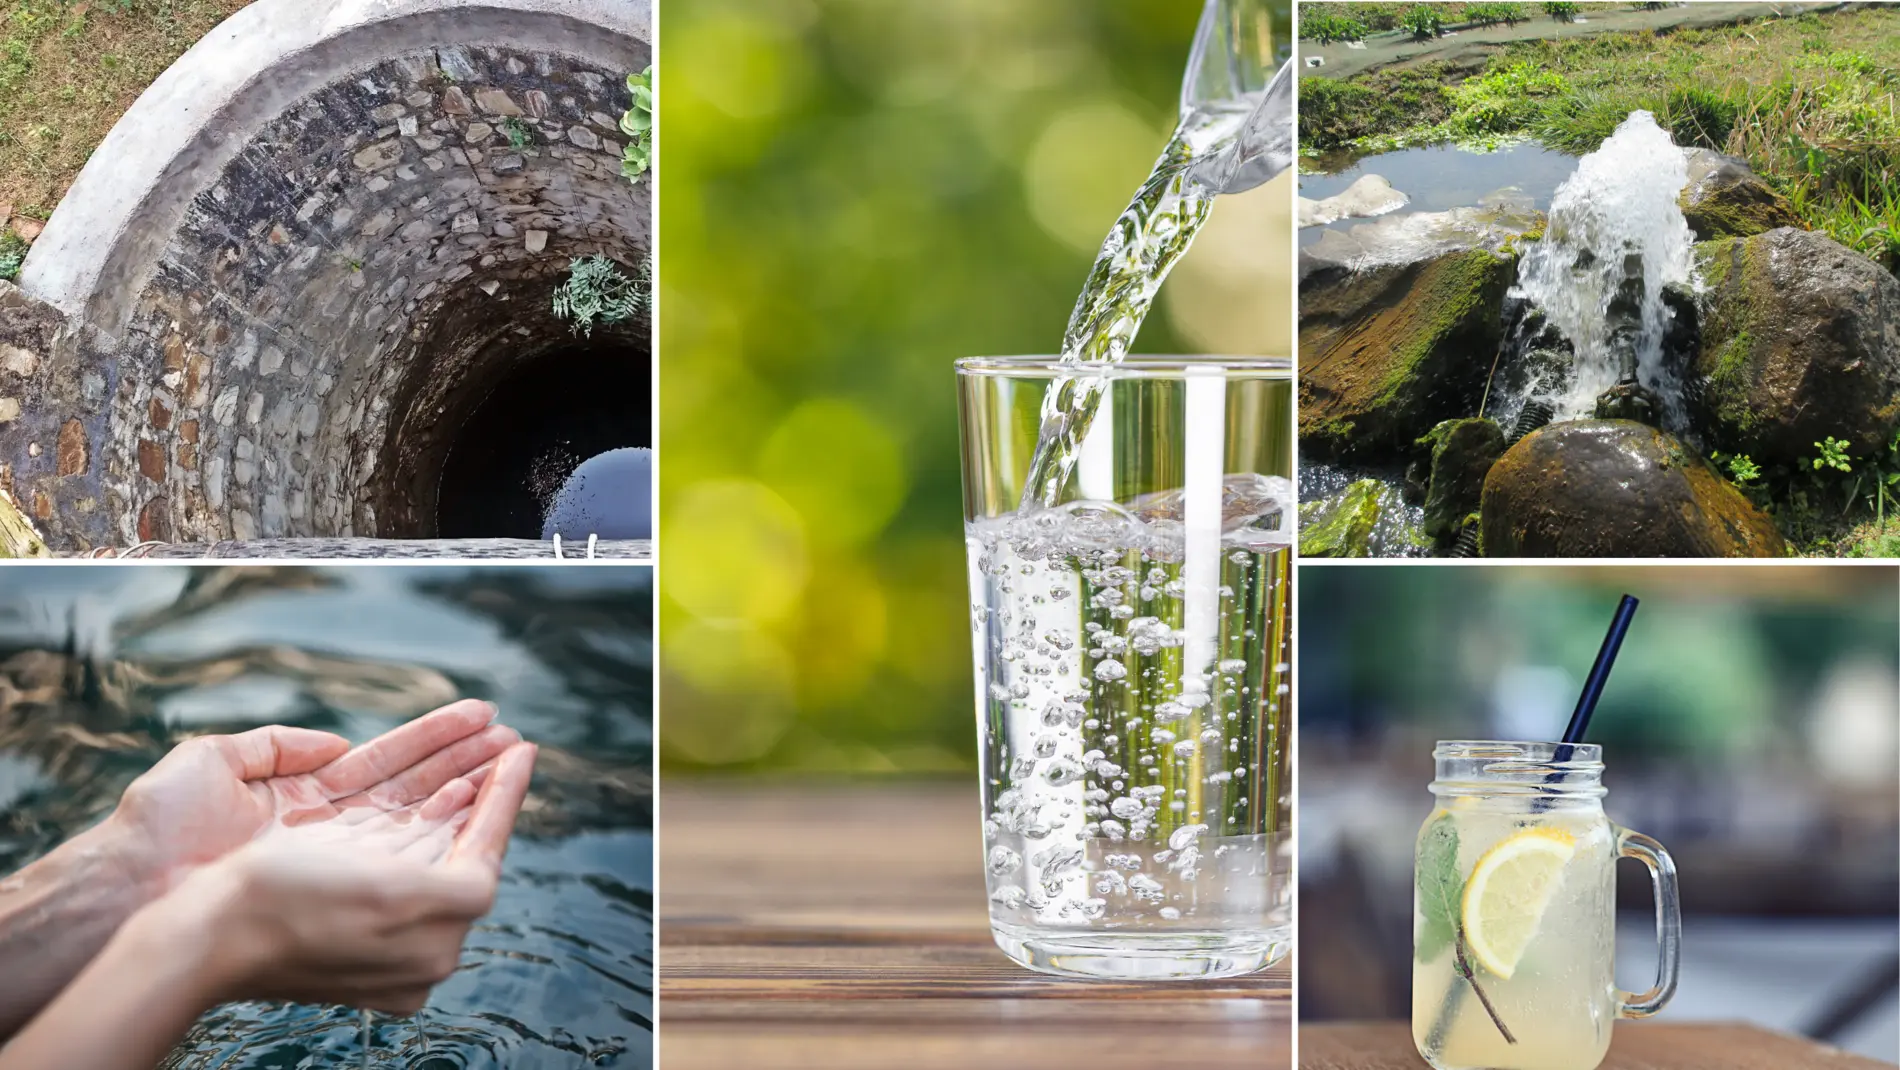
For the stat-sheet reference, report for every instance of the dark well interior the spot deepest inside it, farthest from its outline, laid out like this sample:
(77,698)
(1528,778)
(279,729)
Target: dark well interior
(502,402)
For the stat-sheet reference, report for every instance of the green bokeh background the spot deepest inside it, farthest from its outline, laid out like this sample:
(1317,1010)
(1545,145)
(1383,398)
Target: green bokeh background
(853,194)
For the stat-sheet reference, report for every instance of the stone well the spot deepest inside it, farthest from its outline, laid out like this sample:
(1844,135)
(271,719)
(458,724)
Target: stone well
(303,288)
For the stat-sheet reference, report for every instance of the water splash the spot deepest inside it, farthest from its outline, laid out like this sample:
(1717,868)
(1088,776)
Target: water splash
(1616,237)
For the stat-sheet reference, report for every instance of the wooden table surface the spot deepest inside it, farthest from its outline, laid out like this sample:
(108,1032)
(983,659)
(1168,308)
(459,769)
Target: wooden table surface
(847,926)
(1633,1046)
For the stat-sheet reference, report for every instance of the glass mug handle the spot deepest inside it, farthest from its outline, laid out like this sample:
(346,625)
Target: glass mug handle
(1662,875)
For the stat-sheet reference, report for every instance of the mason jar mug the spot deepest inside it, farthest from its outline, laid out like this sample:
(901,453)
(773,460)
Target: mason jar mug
(1515,911)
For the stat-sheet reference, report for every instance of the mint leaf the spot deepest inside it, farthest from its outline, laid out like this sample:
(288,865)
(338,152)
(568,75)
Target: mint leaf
(1439,888)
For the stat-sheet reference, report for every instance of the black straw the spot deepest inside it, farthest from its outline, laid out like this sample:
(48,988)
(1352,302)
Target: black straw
(1599,674)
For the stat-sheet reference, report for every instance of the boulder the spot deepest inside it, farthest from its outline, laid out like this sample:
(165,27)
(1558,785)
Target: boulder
(1387,352)
(1725,198)
(1462,452)
(1613,488)
(1800,341)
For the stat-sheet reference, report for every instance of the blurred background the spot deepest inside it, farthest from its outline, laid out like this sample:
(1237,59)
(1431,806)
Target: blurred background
(856,194)
(1752,725)
(104,668)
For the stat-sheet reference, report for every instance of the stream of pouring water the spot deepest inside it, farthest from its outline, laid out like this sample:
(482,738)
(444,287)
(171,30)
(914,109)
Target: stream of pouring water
(1246,138)
(1619,205)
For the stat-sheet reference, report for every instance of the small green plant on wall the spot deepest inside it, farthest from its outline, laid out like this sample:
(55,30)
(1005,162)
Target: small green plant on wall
(12,254)
(597,291)
(517,132)
(637,124)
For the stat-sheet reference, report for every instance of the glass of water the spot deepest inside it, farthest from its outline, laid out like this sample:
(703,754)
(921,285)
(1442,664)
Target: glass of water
(1132,662)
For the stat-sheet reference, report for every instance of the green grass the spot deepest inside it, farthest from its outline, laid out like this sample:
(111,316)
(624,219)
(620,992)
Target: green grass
(1380,17)
(1812,102)
(12,255)
(68,70)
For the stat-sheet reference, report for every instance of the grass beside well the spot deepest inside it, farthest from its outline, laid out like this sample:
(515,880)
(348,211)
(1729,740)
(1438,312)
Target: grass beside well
(69,70)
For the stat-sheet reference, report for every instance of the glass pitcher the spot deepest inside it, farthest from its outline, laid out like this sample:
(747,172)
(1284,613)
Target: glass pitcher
(1515,911)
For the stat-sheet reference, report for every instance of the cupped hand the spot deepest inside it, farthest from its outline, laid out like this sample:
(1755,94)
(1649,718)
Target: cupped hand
(408,790)
(372,919)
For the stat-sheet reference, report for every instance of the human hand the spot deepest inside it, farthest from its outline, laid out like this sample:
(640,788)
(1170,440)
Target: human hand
(214,794)
(367,907)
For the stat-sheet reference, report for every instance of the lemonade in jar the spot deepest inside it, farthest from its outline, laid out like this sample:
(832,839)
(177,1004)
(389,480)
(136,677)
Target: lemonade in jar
(1515,920)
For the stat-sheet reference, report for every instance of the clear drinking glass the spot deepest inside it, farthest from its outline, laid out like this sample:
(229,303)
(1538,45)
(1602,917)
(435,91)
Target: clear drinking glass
(1515,911)
(1131,647)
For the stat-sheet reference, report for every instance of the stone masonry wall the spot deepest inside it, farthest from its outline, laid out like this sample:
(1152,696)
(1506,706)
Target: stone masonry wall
(253,393)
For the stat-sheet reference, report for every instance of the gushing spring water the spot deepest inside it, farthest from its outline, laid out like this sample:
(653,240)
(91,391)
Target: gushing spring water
(1616,237)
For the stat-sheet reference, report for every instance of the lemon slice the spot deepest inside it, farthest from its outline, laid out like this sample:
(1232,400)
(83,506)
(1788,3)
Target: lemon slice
(1507,894)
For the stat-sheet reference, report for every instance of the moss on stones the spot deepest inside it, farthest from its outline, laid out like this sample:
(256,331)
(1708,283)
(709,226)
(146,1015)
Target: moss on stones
(1734,207)
(1389,352)
(1800,341)
(1344,528)
(1462,452)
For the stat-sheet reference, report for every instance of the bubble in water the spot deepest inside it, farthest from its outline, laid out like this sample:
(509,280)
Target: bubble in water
(1230,666)
(1127,862)
(1004,861)
(1170,711)
(1184,837)
(1056,860)
(1170,914)
(1046,746)
(1022,768)
(1009,897)
(1062,771)
(1126,808)
(1114,830)
(1092,908)
(1110,670)
(1161,737)
(1185,748)
(1145,888)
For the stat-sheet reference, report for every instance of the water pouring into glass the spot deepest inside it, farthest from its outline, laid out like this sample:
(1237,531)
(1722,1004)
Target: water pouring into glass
(1235,133)
(1129,578)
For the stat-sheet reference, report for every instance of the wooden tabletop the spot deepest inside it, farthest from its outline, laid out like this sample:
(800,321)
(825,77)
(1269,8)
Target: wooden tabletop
(1633,1046)
(847,926)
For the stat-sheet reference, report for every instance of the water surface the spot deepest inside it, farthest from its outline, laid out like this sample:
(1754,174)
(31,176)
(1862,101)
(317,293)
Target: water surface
(1441,177)
(104,667)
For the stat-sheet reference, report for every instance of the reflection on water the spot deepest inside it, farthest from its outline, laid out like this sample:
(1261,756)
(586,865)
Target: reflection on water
(104,668)
(1438,178)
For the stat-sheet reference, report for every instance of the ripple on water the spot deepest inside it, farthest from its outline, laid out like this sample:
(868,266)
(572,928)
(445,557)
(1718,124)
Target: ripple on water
(532,991)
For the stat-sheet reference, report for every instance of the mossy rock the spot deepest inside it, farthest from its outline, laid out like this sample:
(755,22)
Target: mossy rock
(1724,198)
(1614,488)
(18,538)
(1388,352)
(1462,452)
(1344,527)
(1800,342)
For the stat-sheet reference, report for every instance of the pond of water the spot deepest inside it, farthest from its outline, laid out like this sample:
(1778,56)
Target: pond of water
(104,668)
(1441,177)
